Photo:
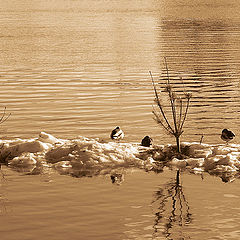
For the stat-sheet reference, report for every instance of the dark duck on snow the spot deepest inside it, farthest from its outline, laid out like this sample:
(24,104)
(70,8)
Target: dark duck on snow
(146,141)
(227,135)
(117,134)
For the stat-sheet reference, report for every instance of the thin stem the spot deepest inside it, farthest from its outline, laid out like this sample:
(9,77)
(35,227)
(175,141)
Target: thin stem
(159,104)
(2,120)
(180,113)
(5,118)
(172,99)
(4,111)
(158,120)
(185,114)
(174,116)
(165,59)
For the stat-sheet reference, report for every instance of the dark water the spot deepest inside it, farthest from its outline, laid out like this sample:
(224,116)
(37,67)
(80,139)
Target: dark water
(81,68)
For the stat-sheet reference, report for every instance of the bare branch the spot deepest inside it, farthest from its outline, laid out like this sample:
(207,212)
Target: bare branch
(2,120)
(4,111)
(165,59)
(159,103)
(180,113)
(185,114)
(171,98)
(158,120)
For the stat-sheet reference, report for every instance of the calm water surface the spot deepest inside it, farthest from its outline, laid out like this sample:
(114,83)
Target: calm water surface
(80,68)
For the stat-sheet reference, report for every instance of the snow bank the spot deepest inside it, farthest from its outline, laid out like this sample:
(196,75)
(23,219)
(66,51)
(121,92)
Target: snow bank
(87,157)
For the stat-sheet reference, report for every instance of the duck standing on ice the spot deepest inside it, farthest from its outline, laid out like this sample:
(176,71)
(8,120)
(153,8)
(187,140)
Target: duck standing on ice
(117,134)
(146,141)
(227,135)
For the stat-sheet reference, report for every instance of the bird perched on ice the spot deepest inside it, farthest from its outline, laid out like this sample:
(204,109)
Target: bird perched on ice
(146,141)
(227,135)
(117,134)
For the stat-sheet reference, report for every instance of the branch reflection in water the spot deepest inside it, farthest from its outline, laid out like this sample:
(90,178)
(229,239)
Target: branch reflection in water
(3,209)
(171,210)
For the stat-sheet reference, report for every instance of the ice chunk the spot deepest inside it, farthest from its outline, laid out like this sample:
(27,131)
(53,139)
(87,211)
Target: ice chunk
(198,150)
(178,163)
(48,138)
(23,160)
(224,150)
(195,162)
(59,154)
(223,169)
(27,147)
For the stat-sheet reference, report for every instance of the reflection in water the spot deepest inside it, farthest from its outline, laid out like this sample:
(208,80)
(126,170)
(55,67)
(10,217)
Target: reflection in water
(38,169)
(171,210)
(1,172)
(228,176)
(117,178)
(3,209)
(116,175)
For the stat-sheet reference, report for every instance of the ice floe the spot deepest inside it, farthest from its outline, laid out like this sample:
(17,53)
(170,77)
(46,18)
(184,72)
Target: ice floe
(87,157)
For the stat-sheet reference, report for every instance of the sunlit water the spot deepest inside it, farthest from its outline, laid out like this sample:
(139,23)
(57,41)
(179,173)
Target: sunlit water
(81,68)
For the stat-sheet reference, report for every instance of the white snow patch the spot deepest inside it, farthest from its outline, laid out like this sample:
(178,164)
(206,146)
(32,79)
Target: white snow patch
(90,154)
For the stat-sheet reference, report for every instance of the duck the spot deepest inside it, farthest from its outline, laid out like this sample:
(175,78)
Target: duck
(146,141)
(227,135)
(117,134)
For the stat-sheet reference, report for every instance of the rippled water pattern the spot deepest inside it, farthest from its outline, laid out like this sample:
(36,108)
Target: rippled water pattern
(81,68)
(71,69)
(94,208)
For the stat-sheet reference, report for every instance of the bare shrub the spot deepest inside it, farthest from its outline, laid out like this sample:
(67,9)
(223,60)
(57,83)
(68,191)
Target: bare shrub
(179,106)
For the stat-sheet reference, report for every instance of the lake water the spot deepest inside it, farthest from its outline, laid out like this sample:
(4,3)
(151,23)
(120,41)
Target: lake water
(75,68)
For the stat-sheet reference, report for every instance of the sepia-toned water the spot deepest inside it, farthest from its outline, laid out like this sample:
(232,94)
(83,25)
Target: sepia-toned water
(81,68)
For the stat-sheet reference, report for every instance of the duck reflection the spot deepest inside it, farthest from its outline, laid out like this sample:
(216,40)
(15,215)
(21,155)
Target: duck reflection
(171,210)
(116,175)
(117,178)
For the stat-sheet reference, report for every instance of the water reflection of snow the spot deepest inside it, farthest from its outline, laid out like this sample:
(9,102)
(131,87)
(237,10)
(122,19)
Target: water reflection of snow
(88,157)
